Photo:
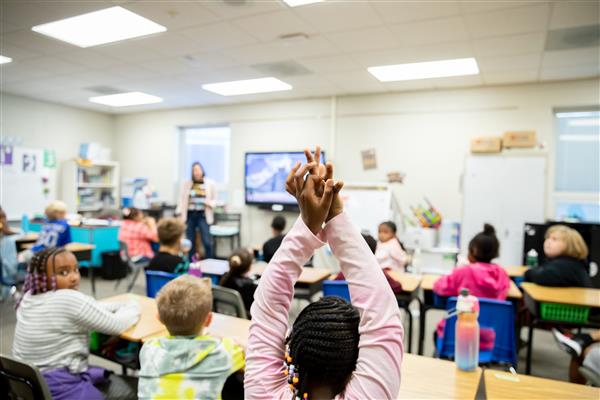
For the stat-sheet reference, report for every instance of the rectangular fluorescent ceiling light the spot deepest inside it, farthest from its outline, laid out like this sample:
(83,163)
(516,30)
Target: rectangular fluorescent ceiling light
(425,70)
(298,3)
(126,99)
(248,86)
(99,27)
(5,60)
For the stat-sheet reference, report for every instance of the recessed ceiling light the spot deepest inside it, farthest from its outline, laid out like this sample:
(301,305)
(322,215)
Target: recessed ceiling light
(5,60)
(298,3)
(248,86)
(126,99)
(99,27)
(425,70)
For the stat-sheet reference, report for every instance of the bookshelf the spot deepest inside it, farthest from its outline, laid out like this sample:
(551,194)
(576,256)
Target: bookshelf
(90,186)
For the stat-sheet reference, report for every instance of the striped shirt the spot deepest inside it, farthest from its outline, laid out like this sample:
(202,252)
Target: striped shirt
(53,328)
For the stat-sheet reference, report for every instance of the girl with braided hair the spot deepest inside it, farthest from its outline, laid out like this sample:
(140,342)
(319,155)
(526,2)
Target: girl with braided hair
(334,349)
(54,321)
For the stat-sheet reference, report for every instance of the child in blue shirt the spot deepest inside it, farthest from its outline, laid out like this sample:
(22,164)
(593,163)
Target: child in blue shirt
(55,231)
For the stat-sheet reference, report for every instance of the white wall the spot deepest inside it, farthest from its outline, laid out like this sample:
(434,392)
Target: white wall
(424,134)
(51,126)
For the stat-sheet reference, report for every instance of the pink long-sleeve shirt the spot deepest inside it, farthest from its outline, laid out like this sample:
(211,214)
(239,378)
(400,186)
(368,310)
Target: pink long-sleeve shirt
(390,255)
(377,374)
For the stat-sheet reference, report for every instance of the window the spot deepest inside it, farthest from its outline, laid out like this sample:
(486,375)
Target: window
(577,173)
(210,147)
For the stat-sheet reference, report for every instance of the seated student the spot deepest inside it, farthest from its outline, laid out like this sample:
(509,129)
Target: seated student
(240,262)
(187,364)
(55,231)
(584,349)
(169,257)
(566,264)
(482,278)
(54,321)
(137,232)
(8,251)
(320,357)
(372,243)
(390,253)
(271,245)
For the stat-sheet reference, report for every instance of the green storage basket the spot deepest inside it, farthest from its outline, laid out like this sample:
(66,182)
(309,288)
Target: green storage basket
(564,313)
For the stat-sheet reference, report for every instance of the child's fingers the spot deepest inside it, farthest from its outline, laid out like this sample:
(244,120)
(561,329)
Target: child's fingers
(327,194)
(289,181)
(322,172)
(328,170)
(338,186)
(308,155)
(299,177)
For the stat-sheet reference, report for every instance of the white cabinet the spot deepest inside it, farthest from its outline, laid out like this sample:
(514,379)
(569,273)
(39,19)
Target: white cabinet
(89,187)
(505,191)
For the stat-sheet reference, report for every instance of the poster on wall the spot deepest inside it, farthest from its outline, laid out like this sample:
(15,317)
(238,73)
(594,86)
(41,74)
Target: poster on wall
(6,155)
(369,159)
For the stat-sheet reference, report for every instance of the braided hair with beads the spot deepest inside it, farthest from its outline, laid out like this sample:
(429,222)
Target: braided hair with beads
(322,348)
(36,280)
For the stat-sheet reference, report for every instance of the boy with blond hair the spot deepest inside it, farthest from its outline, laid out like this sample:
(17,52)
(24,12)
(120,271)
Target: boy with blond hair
(187,363)
(55,231)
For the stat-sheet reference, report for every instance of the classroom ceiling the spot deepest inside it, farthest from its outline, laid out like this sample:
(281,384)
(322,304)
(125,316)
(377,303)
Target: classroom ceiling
(321,49)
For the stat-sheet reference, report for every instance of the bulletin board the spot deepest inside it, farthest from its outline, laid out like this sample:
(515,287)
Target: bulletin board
(27,180)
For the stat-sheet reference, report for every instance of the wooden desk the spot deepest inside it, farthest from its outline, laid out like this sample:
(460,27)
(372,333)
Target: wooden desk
(536,294)
(26,241)
(432,378)
(410,285)
(409,282)
(149,326)
(516,271)
(83,252)
(584,297)
(503,385)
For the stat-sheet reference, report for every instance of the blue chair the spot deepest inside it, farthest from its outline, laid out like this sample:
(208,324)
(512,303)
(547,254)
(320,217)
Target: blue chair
(494,314)
(336,288)
(157,279)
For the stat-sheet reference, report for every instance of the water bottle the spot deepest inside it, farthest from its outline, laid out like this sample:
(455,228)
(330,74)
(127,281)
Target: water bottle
(25,223)
(532,258)
(466,351)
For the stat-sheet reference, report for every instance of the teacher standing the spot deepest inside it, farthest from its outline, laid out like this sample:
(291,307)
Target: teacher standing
(196,207)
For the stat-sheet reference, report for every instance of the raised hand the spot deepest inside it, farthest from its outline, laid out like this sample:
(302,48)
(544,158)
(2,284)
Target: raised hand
(314,209)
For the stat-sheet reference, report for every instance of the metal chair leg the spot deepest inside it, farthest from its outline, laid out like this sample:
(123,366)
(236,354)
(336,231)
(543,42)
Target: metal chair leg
(135,275)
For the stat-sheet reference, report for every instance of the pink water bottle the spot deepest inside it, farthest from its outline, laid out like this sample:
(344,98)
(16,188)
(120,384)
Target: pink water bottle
(466,351)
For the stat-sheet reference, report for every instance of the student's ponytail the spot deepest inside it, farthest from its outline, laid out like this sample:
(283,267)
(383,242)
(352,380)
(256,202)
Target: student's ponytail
(240,262)
(484,247)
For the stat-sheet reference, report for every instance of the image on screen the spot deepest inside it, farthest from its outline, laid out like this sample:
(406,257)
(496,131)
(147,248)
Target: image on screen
(266,174)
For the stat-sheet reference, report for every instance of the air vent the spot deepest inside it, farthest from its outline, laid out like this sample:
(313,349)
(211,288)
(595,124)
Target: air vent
(282,69)
(104,90)
(573,38)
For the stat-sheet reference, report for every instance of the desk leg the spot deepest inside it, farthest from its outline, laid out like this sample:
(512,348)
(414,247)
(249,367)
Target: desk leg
(529,347)
(124,370)
(410,327)
(93,279)
(422,322)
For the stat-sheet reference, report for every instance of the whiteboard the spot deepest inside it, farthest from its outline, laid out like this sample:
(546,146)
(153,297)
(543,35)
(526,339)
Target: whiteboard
(26,184)
(507,192)
(368,205)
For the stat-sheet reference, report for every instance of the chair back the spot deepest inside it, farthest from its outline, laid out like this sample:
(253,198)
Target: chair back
(156,280)
(228,301)
(19,380)
(493,314)
(336,288)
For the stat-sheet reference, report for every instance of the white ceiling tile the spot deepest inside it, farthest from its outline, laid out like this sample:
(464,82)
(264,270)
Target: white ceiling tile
(480,6)
(571,72)
(530,61)
(99,77)
(359,81)
(402,86)
(171,44)
(431,32)
(570,14)
(130,51)
(405,11)
(312,85)
(444,51)
(6,27)
(330,63)
(458,81)
(32,41)
(222,75)
(218,36)
(509,22)
(271,26)
(173,14)
(211,60)
(89,58)
(510,76)
(384,57)
(25,14)
(364,39)
(280,50)
(564,58)
(236,9)
(129,72)
(339,16)
(506,45)
(16,52)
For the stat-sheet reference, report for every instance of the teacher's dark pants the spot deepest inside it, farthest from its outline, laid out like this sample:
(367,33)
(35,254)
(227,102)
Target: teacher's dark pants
(196,220)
